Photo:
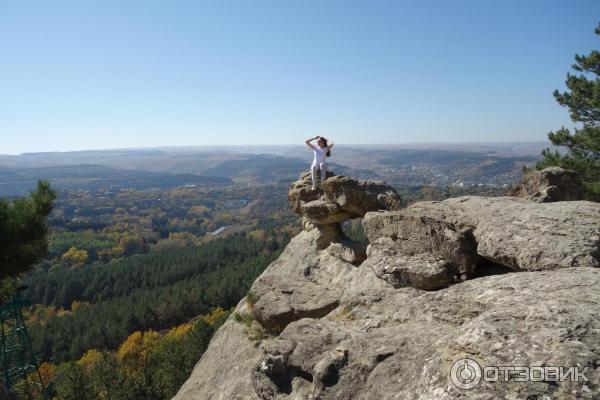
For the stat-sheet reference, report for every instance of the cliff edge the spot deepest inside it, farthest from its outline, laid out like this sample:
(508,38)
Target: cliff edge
(502,281)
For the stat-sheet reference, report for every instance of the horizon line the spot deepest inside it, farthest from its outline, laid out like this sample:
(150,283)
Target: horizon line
(266,145)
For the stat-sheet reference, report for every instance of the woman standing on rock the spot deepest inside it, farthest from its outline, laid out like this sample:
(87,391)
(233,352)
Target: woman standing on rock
(320,151)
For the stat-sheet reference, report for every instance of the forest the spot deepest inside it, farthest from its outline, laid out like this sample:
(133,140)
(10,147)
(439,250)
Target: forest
(146,365)
(99,306)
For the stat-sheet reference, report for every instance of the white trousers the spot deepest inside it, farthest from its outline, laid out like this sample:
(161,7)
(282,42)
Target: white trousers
(315,169)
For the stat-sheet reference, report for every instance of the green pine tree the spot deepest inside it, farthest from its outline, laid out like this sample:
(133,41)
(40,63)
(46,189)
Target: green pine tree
(24,231)
(75,384)
(583,144)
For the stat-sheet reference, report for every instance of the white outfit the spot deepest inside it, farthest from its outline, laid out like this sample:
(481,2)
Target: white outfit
(319,163)
(320,154)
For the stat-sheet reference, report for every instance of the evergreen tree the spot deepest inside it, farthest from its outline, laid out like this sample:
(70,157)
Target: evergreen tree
(583,101)
(107,378)
(24,231)
(75,384)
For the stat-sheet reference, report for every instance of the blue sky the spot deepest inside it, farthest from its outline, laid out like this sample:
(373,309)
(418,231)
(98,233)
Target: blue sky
(108,74)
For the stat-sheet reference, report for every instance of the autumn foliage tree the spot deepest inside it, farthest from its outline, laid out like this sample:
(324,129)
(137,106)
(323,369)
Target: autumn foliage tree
(147,366)
(582,98)
(73,256)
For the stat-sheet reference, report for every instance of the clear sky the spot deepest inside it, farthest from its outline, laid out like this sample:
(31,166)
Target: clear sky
(123,73)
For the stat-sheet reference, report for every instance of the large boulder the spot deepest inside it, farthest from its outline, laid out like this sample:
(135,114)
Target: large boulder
(550,184)
(432,244)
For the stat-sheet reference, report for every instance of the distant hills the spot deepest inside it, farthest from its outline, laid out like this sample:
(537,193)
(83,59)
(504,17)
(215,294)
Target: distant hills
(414,164)
(16,182)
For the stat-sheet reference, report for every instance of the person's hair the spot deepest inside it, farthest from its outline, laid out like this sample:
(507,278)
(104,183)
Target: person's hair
(325,141)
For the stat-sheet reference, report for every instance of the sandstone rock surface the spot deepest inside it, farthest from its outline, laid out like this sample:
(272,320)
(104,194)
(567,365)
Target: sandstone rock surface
(340,198)
(337,327)
(463,231)
(401,344)
(550,184)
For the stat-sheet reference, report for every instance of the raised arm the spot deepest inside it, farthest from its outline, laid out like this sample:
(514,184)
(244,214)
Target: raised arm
(310,140)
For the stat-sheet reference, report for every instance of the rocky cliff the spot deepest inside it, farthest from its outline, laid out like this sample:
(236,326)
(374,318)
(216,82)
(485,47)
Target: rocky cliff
(502,281)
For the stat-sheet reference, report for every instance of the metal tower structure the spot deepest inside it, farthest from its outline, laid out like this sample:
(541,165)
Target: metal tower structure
(18,366)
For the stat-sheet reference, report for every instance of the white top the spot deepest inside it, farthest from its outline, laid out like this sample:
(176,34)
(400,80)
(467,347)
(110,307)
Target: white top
(320,154)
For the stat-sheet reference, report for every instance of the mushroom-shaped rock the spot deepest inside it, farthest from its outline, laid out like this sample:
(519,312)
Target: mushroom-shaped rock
(339,198)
